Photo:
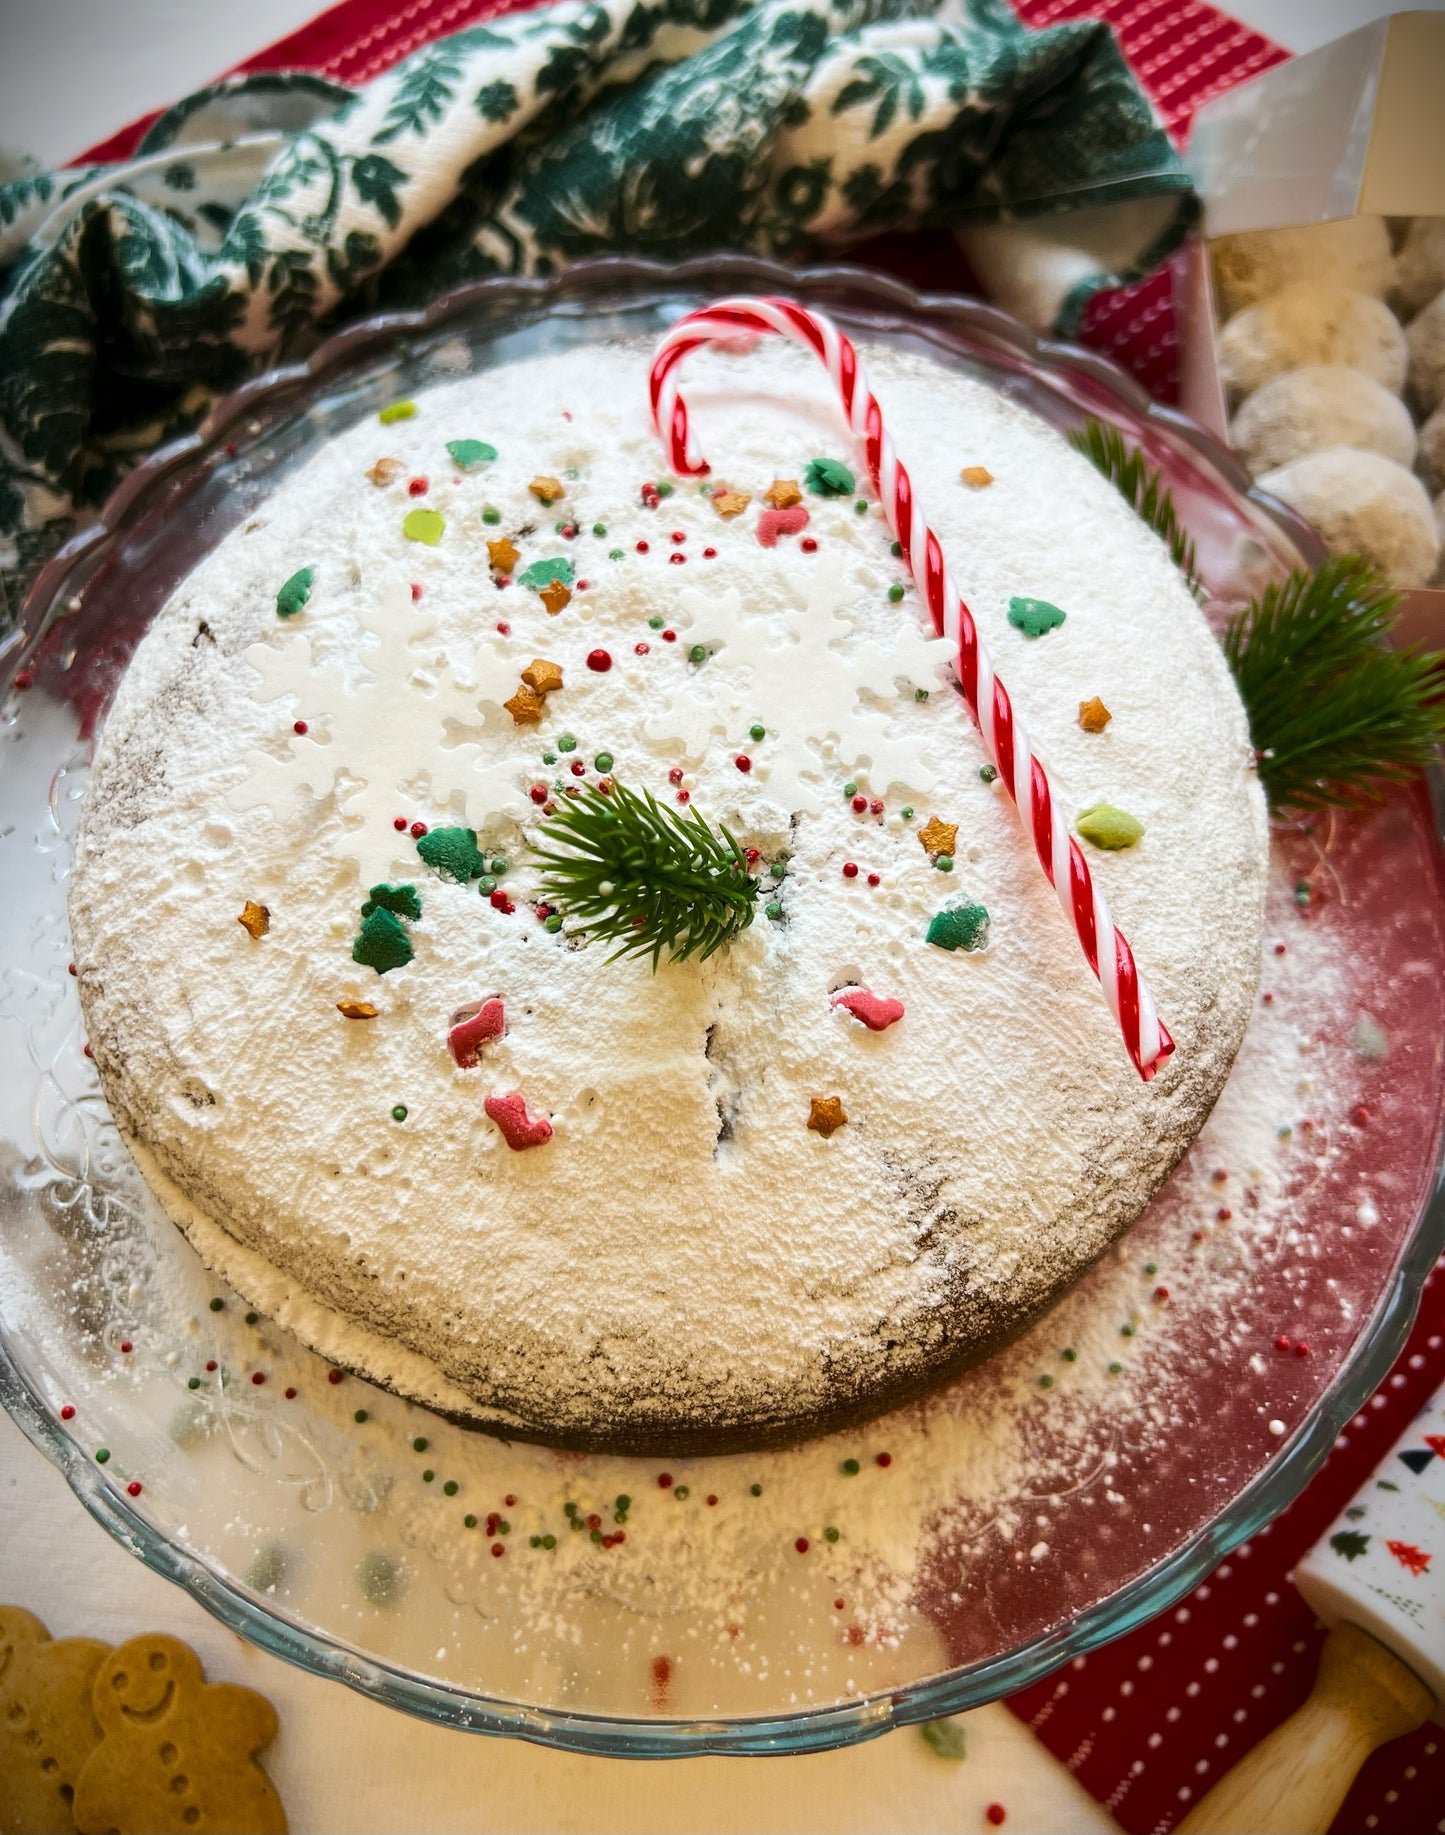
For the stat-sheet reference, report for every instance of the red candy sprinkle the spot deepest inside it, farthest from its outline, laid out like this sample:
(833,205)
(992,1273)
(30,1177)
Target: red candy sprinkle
(874,879)
(498,1551)
(569,531)
(709,554)
(211,1364)
(24,679)
(510,1501)
(664,1481)
(1224,1214)
(1161,1294)
(837,1605)
(86,1049)
(417,487)
(642,548)
(599,660)
(519,1130)
(996,1814)
(1302,1349)
(850,870)
(578,768)
(743,762)
(679,535)
(133,1489)
(1281,1343)
(468,1036)
(70,968)
(418,829)
(1359,1115)
(300,726)
(582,585)
(808,545)
(332,1376)
(801,1545)
(683,796)
(884,1459)
(711,1499)
(503,628)
(641,649)
(752,856)
(415,592)
(675,775)
(677,560)
(67,1413)
(290,1395)
(501,900)
(860,803)
(258,1377)
(1279,949)
(538,793)
(669,637)
(399,824)
(876,806)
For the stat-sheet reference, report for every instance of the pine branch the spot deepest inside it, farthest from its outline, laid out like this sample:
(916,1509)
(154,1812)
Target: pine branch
(645,878)
(1141,486)
(1332,710)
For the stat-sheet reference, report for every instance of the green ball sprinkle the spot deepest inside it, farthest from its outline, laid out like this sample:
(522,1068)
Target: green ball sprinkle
(895,549)
(773,909)
(697,654)
(602,762)
(102,1453)
(427,1476)
(549,1541)
(861,507)
(623,1501)
(566,743)
(486,884)
(399,1112)
(558,527)
(554,922)
(1151,1268)
(830,1534)
(665,489)
(194,1383)
(549,758)
(1046,1382)
(681,1493)
(757,731)
(907,812)
(491,517)
(360,1416)
(218,1306)
(500,863)
(615,555)
(1302,893)
(599,528)
(1285,1132)
(944,863)
(569,1509)
(988,773)
(920,694)
(596,1535)
(656,624)
(757,1490)
(469,1521)
(895,593)
(777,869)
(851,1467)
(1114,1369)
(850,790)
(1126,1331)
(251,1318)
(451,1487)
(420,1444)
(534,1541)
(1070,1356)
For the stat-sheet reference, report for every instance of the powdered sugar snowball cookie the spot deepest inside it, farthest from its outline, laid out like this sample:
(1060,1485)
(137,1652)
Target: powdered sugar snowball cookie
(1315,408)
(1430,459)
(456,1146)
(1420,264)
(1425,336)
(1306,324)
(1363,504)
(1353,251)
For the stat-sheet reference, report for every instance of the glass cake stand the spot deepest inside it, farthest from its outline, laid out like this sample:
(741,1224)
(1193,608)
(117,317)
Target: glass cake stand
(1073,1486)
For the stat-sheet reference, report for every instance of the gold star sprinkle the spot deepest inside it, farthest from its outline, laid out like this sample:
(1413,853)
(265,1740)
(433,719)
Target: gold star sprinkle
(1093,715)
(546,490)
(555,596)
(728,502)
(976,476)
(255,918)
(502,555)
(783,493)
(385,470)
(542,675)
(525,706)
(938,837)
(357,1009)
(825,1115)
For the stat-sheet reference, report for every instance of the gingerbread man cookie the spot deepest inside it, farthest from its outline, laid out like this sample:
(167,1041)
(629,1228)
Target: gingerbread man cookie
(177,1754)
(47,1726)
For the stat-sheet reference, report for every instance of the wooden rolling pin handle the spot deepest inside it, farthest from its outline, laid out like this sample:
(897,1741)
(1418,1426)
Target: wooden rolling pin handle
(1294,1781)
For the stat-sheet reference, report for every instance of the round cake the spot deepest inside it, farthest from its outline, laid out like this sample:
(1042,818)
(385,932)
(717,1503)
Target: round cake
(416,1105)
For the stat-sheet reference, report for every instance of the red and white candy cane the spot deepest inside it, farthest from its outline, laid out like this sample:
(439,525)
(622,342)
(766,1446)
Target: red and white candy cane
(1005,740)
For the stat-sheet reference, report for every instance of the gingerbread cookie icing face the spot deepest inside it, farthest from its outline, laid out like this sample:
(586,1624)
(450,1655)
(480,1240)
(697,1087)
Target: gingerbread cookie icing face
(883,1096)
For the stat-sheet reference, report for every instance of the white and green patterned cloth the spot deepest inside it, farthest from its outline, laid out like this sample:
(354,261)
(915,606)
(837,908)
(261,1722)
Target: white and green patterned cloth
(260,213)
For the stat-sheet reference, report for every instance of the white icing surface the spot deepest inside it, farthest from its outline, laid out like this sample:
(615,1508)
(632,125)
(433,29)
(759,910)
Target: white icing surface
(683,1254)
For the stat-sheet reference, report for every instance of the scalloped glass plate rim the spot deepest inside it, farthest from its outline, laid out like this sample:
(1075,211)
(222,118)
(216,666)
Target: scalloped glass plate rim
(810,1730)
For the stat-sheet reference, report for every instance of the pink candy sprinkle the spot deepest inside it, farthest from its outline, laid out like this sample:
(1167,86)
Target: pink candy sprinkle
(773,523)
(470,1034)
(518,1129)
(415,592)
(877,1012)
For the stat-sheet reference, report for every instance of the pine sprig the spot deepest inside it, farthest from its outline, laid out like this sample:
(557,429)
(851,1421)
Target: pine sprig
(1333,711)
(1141,486)
(640,876)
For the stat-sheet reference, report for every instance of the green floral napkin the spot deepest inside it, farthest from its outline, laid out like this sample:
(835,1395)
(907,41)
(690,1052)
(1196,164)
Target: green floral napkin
(260,213)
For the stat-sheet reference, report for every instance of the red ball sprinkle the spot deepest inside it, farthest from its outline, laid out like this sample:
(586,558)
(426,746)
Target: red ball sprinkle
(642,548)
(641,649)
(1224,1214)
(582,585)
(300,726)
(679,535)
(604,784)
(67,1413)
(399,824)
(211,1365)
(578,768)
(549,809)
(675,775)
(664,1481)
(837,1605)
(258,1377)
(290,1395)
(498,1551)
(503,628)
(997,1814)
(86,1049)
(23,679)
(801,1545)
(752,856)
(677,560)
(1281,1343)
(1279,949)
(418,829)
(874,880)
(599,660)
(1360,1114)
(594,1522)
(417,487)
(860,803)
(543,913)
(332,1376)
(538,793)
(510,1501)
(415,591)
(884,1459)
(808,545)
(709,554)
(1161,1294)
(70,968)
(500,580)
(669,637)
(850,870)
(1302,1349)
(569,531)
(501,901)
(876,806)
(133,1489)
(711,1499)
(1267,999)
(743,762)
(684,796)
(126,1345)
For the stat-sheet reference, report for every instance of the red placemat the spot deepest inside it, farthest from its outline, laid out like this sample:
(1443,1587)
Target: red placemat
(1149,1722)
